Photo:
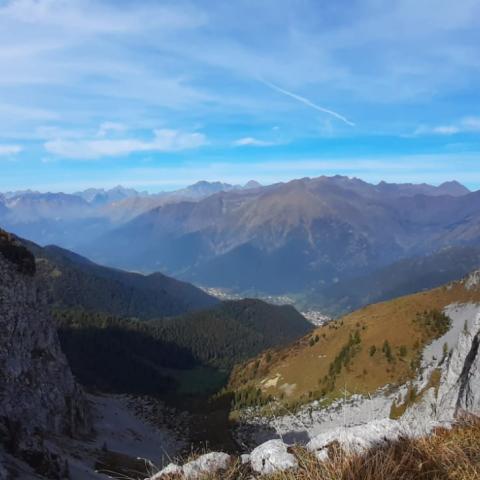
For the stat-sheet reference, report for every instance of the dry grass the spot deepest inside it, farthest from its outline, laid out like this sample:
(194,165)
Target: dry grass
(301,368)
(445,455)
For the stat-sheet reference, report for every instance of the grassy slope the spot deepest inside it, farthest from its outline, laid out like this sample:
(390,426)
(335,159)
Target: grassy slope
(233,331)
(296,373)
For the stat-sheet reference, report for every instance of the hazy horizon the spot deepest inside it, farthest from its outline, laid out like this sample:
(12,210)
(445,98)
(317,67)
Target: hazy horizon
(173,188)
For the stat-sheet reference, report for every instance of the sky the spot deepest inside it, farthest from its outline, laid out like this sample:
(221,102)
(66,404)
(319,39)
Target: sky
(159,94)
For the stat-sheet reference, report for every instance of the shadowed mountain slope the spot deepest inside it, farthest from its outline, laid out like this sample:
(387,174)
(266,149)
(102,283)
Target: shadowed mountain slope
(400,278)
(74,282)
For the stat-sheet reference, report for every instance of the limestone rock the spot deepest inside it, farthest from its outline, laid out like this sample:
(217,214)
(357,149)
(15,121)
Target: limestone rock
(209,463)
(272,456)
(170,469)
(357,439)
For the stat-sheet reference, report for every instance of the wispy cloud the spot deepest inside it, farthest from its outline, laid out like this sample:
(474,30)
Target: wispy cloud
(8,150)
(87,149)
(466,124)
(307,102)
(252,142)
(111,127)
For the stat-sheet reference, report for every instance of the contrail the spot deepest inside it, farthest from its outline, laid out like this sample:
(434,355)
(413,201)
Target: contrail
(307,102)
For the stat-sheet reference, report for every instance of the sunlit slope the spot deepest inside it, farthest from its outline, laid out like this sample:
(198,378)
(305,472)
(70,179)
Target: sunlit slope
(377,345)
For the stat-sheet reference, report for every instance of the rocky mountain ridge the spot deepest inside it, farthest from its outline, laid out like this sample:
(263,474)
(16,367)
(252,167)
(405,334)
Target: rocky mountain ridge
(292,237)
(306,238)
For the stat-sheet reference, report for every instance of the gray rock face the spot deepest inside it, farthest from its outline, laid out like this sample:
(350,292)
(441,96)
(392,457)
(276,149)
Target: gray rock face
(459,390)
(39,397)
(272,456)
(357,439)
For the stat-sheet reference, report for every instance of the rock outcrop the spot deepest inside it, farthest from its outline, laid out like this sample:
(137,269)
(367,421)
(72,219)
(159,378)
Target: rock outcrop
(39,398)
(207,464)
(356,439)
(459,390)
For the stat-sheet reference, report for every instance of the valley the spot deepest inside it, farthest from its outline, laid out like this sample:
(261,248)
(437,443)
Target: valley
(239,240)
(167,366)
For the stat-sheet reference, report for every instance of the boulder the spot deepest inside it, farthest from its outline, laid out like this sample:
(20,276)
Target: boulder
(272,456)
(206,464)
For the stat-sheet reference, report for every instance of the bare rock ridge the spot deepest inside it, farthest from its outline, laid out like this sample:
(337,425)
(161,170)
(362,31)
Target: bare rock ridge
(459,390)
(39,397)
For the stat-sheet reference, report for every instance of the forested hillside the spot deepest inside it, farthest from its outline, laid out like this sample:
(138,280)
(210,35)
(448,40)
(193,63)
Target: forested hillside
(160,356)
(110,354)
(73,281)
(234,330)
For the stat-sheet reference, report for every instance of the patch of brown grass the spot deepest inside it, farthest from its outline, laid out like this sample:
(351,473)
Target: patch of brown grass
(305,364)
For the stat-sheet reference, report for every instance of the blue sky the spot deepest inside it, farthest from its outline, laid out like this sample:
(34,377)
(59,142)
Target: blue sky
(157,95)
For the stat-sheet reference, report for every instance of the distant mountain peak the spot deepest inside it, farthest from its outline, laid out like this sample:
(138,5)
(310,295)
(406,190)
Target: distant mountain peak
(101,196)
(252,184)
(453,187)
(205,183)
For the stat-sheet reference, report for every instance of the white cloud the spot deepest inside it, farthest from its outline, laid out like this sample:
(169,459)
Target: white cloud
(6,150)
(465,125)
(99,17)
(110,127)
(438,130)
(251,142)
(472,124)
(164,141)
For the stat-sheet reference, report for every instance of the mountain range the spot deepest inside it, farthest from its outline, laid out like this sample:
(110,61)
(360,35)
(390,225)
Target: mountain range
(309,238)
(56,218)
(293,237)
